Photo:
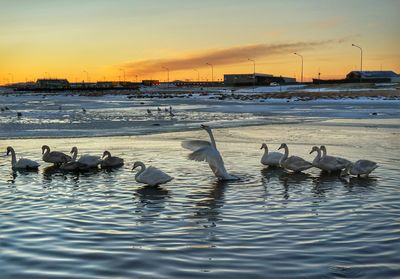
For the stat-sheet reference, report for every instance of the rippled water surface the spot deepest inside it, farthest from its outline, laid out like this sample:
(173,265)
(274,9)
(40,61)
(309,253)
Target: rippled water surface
(269,224)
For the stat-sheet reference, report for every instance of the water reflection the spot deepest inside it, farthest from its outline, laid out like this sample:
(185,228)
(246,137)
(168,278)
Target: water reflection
(365,182)
(151,202)
(207,207)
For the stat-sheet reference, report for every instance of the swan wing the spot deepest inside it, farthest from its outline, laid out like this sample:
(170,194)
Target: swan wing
(297,163)
(153,176)
(364,166)
(56,157)
(272,159)
(194,145)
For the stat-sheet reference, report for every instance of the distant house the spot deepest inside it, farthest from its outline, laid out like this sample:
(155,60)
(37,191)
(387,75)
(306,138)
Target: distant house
(254,79)
(374,76)
(52,84)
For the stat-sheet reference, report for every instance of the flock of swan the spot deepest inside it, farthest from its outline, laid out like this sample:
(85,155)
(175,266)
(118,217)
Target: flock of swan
(201,150)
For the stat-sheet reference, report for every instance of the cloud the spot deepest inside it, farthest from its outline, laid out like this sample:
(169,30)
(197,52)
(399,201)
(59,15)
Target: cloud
(223,56)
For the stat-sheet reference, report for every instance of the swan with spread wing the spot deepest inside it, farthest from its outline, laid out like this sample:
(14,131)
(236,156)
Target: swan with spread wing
(207,151)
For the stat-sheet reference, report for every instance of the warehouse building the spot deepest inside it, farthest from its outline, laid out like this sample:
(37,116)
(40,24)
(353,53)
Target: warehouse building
(255,79)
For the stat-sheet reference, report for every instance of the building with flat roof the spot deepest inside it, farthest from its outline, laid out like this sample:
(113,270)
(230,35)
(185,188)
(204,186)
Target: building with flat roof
(374,76)
(52,84)
(255,79)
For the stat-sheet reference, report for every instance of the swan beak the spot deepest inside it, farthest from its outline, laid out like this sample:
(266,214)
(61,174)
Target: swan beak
(312,151)
(8,152)
(134,167)
(262,147)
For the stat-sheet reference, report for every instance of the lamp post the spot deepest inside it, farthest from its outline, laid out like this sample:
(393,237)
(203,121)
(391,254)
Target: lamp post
(123,71)
(254,71)
(87,75)
(198,74)
(361,64)
(165,68)
(301,56)
(212,71)
(12,77)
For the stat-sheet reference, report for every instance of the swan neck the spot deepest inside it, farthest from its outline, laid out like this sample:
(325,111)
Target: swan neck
(142,169)
(74,155)
(285,155)
(46,151)
(212,138)
(13,158)
(265,149)
(323,152)
(318,157)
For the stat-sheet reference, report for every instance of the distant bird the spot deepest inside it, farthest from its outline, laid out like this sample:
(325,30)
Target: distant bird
(2,109)
(6,108)
(151,175)
(19,114)
(158,109)
(293,163)
(171,114)
(55,157)
(60,108)
(270,158)
(361,167)
(83,110)
(149,111)
(207,151)
(166,110)
(21,164)
(111,161)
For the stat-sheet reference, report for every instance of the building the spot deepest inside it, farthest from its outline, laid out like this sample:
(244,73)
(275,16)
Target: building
(52,84)
(254,79)
(373,76)
(150,82)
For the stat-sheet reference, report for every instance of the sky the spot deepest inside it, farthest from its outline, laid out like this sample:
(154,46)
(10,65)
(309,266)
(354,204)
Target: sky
(139,39)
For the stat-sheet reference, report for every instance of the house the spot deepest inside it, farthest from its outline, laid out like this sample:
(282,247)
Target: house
(373,76)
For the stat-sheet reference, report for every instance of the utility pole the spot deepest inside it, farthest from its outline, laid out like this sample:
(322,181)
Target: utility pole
(254,72)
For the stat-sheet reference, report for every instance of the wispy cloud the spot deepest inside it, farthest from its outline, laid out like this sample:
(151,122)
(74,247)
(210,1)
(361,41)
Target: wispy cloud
(224,56)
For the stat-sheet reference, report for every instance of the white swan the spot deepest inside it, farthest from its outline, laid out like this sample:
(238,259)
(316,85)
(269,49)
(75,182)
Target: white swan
(55,157)
(361,167)
(325,163)
(21,164)
(73,165)
(151,175)
(270,158)
(111,161)
(293,163)
(89,160)
(206,151)
(341,160)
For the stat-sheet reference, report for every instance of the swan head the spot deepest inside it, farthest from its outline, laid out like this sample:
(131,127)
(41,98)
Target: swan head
(205,127)
(74,149)
(44,148)
(264,145)
(346,170)
(106,153)
(314,149)
(9,150)
(137,164)
(283,145)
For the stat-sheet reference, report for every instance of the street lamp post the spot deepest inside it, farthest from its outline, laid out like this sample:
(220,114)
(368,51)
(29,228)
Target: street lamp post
(123,71)
(361,64)
(198,74)
(167,69)
(302,68)
(87,75)
(212,71)
(254,71)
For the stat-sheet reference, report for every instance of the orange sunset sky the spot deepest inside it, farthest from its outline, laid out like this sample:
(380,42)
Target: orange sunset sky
(105,39)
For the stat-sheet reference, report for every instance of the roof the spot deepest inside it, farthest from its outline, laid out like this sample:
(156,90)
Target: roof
(375,74)
(257,75)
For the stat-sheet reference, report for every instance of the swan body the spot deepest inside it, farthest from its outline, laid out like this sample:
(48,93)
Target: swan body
(361,167)
(293,163)
(270,158)
(55,157)
(89,160)
(21,164)
(340,160)
(151,175)
(208,152)
(111,161)
(326,163)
